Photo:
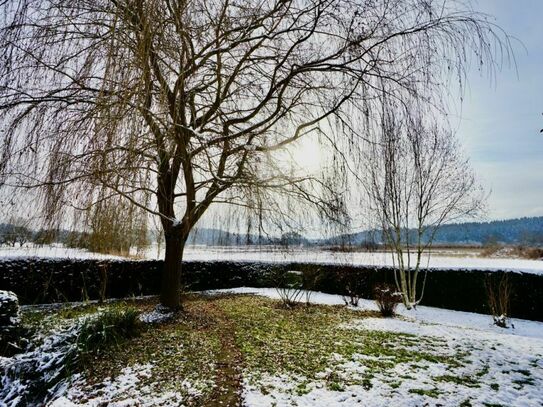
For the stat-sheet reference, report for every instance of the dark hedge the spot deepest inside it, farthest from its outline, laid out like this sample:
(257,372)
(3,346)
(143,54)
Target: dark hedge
(38,280)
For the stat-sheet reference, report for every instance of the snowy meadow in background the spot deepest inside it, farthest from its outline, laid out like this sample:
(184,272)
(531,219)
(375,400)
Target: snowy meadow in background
(449,259)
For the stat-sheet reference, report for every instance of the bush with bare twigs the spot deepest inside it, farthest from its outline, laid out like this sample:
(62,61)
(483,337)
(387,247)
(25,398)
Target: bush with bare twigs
(498,289)
(290,287)
(353,285)
(387,299)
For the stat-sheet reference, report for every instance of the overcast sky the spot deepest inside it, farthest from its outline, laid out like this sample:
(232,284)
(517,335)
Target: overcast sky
(501,119)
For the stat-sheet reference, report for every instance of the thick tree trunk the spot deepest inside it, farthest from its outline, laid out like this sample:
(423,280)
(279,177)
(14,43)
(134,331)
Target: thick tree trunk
(170,295)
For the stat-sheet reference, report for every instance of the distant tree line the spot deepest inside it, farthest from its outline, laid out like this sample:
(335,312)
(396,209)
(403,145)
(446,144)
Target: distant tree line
(102,241)
(17,234)
(13,234)
(110,237)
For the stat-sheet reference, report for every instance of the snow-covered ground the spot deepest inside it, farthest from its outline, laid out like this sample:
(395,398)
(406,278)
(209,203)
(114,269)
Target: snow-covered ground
(271,254)
(125,390)
(498,367)
(476,363)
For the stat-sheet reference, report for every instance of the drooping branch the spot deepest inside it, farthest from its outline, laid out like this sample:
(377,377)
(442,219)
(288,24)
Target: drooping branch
(193,98)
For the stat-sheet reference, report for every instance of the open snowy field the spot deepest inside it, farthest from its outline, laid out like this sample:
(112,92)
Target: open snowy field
(230,346)
(51,251)
(276,254)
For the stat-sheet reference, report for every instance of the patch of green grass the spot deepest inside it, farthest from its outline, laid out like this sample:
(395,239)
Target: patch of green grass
(461,380)
(52,317)
(299,340)
(310,343)
(425,392)
(99,328)
(395,385)
(71,312)
(33,318)
(366,383)
(523,382)
(523,372)
(422,367)
(302,388)
(335,386)
(308,340)
(483,371)
(495,386)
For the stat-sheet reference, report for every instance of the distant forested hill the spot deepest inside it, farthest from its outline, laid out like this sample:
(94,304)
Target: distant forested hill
(512,231)
(527,231)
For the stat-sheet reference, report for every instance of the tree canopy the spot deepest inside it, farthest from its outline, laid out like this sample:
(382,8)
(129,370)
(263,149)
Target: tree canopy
(171,106)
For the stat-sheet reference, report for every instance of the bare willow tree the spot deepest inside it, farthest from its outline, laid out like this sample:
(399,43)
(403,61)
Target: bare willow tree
(175,105)
(417,179)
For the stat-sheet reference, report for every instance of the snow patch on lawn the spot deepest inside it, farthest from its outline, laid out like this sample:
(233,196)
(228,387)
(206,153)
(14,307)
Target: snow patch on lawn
(42,367)
(479,381)
(158,315)
(132,387)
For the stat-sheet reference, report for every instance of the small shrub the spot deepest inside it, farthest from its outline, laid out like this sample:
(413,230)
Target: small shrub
(290,287)
(491,245)
(311,277)
(353,284)
(490,250)
(387,299)
(498,290)
(531,253)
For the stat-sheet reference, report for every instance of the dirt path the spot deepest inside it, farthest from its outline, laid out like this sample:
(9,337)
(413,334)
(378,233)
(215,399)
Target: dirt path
(227,392)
